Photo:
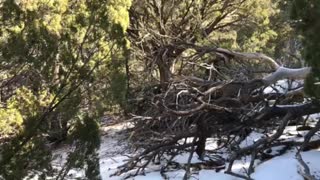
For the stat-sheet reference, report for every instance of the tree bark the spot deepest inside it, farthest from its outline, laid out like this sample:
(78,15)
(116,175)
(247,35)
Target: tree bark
(164,73)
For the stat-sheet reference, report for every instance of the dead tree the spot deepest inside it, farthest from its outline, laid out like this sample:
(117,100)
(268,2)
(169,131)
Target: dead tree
(193,109)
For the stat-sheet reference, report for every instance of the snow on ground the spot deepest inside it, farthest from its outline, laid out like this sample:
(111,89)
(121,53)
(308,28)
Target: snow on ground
(209,174)
(282,86)
(114,152)
(251,139)
(286,167)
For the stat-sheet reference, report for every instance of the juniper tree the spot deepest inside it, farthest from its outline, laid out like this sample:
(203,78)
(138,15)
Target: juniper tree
(58,62)
(306,15)
(160,31)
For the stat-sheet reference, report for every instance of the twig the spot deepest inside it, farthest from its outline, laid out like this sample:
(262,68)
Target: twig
(306,171)
(187,174)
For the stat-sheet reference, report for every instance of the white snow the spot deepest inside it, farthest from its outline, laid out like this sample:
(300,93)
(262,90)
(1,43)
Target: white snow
(113,153)
(251,139)
(209,174)
(149,176)
(315,116)
(283,86)
(183,158)
(286,167)
(176,175)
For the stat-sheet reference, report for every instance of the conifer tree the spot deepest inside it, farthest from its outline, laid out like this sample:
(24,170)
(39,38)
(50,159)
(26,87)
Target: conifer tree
(306,14)
(57,63)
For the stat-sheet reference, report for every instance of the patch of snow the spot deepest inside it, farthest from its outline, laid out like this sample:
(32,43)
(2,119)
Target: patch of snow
(176,175)
(76,174)
(315,116)
(211,144)
(275,150)
(291,133)
(282,86)
(312,158)
(113,153)
(286,167)
(210,174)
(241,166)
(183,158)
(251,139)
(186,140)
(150,176)
(109,166)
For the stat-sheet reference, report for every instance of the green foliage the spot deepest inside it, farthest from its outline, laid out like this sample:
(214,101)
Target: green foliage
(64,63)
(58,59)
(86,139)
(10,122)
(159,37)
(306,15)
(33,159)
(22,105)
(28,103)
(253,29)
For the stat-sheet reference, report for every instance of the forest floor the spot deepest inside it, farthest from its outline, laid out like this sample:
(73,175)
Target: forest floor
(115,150)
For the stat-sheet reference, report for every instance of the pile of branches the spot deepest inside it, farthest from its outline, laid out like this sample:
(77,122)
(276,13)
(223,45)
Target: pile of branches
(191,110)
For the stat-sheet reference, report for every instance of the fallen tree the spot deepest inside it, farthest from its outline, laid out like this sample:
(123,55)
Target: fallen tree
(192,109)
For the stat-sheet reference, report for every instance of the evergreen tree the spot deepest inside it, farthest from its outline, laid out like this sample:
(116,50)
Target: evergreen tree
(58,60)
(306,15)
(160,30)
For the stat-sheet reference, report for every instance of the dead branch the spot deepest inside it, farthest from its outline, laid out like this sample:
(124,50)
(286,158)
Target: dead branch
(306,170)
(200,108)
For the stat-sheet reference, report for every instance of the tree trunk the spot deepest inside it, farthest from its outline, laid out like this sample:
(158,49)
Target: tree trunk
(165,74)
